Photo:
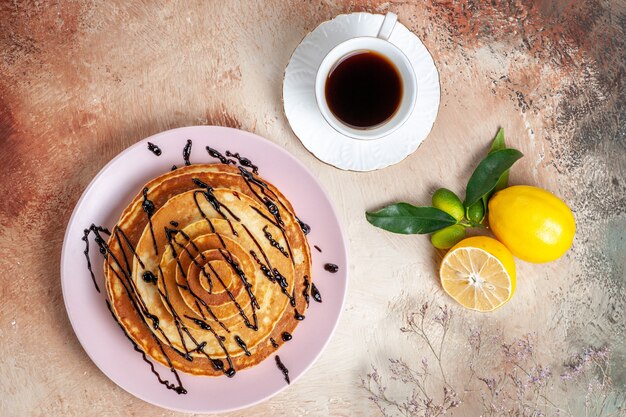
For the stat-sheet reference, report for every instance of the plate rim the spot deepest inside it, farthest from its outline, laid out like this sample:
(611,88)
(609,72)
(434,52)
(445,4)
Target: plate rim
(275,147)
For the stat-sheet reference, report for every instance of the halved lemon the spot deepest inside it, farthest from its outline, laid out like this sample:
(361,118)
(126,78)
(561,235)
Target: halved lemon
(479,273)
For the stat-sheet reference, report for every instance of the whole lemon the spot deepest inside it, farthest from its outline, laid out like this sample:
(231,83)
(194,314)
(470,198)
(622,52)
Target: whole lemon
(533,223)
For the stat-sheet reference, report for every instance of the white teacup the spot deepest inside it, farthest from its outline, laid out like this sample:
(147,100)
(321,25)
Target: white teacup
(382,46)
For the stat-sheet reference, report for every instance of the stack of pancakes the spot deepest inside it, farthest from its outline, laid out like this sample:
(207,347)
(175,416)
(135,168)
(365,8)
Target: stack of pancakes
(208,269)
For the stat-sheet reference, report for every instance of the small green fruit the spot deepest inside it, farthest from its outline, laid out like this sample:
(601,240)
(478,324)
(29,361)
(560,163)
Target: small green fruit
(446,200)
(476,212)
(448,236)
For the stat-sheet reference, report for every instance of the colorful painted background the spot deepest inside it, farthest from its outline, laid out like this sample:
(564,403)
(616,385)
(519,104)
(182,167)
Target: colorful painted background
(82,80)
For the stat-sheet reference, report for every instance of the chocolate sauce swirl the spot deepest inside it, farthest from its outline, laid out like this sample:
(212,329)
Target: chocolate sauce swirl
(121,267)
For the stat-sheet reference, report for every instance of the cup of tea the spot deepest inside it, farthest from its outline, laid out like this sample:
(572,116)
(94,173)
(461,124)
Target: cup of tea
(365,87)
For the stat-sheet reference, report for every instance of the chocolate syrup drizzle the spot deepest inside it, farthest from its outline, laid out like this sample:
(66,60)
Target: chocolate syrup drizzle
(306,229)
(211,199)
(243,345)
(169,233)
(178,387)
(154,149)
(274,243)
(305,292)
(271,273)
(282,281)
(317,248)
(283,369)
(332,268)
(282,230)
(253,301)
(124,271)
(139,305)
(148,207)
(170,240)
(315,293)
(242,313)
(202,325)
(218,365)
(266,271)
(187,152)
(208,194)
(149,277)
(268,196)
(85,238)
(215,154)
(137,302)
(243,161)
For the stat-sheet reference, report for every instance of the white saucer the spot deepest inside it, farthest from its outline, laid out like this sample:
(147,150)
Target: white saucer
(310,126)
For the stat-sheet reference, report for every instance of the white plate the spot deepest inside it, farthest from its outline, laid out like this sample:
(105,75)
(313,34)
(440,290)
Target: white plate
(102,203)
(310,126)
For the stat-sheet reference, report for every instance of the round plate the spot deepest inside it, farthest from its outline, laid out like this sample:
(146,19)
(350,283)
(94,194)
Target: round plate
(103,201)
(310,126)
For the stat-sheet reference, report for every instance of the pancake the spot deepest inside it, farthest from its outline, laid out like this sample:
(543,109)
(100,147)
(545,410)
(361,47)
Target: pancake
(208,269)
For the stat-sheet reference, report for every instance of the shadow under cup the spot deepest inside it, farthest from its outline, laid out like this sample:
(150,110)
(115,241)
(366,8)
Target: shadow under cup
(349,81)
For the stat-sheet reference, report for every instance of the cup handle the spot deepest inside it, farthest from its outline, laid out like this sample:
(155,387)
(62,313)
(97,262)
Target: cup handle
(387,27)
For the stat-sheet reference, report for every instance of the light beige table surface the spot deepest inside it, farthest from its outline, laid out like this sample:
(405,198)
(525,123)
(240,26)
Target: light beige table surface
(80,81)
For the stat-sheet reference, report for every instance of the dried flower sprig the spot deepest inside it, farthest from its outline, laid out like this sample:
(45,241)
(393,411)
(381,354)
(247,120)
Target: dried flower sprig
(508,382)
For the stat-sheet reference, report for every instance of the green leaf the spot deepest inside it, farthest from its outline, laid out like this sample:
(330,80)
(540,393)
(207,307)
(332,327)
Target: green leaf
(485,202)
(498,142)
(503,181)
(408,219)
(487,174)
